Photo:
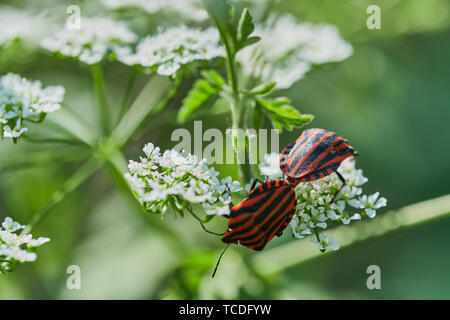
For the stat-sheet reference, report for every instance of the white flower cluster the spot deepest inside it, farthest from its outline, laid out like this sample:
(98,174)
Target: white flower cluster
(24,99)
(167,51)
(176,179)
(95,38)
(288,49)
(15,248)
(190,9)
(316,206)
(19,24)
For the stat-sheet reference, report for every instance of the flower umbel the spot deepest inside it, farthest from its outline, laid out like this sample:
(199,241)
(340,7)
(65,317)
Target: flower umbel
(16,248)
(17,24)
(167,51)
(21,100)
(96,38)
(175,179)
(288,49)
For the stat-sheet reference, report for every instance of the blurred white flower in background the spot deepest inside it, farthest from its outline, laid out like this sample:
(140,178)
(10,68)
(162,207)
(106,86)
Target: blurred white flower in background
(316,207)
(270,166)
(22,99)
(168,50)
(175,179)
(16,248)
(288,49)
(188,9)
(17,24)
(96,38)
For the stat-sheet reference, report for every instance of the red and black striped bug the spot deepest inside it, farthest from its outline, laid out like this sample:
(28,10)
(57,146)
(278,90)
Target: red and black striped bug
(316,154)
(265,213)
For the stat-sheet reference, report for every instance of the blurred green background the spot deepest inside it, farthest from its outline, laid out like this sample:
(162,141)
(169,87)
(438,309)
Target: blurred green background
(391,99)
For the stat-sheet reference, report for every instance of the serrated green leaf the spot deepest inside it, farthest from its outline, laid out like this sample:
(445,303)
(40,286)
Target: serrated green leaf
(246,26)
(244,30)
(249,41)
(203,93)
(282,114)
(263,89)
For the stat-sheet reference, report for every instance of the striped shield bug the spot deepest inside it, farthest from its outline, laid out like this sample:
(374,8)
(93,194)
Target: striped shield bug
(316,154)
(265,213)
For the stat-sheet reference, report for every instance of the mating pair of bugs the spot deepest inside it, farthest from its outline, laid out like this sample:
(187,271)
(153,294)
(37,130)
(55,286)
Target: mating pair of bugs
(269,208)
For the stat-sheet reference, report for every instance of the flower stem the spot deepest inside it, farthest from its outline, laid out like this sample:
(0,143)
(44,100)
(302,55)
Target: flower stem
(127,94)
(102,101)
(148,99)
(297,252)
(87,170)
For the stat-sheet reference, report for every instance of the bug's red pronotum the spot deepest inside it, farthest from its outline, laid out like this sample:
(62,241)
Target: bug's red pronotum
(316,154)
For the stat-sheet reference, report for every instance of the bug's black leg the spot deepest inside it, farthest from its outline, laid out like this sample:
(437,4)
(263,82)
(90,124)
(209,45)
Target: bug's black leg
(211,232)
(189,209)
(279,233)
(218,261)
(231,202)
(343,184)
(254,183)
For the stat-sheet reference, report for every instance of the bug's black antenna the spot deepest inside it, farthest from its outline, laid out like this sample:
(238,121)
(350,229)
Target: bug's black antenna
(218,261)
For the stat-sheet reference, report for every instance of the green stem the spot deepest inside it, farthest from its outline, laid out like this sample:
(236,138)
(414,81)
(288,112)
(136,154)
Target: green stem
(118,166)
(238,109)
(102,101)
(149,98)
(296,252)
(54,140)
(87,170)
(127,94)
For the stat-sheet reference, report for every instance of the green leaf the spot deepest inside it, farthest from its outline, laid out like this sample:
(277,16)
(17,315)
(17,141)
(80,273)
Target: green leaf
(283,114)
(204,93)
(213,77)
(249,42)
(245,29)
(263,89)
(246,26)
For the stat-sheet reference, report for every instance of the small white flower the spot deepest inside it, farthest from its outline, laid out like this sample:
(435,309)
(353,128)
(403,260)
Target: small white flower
(369,203)
(10,225)
(168,50)
(21,99)
(97,37)
(323,244)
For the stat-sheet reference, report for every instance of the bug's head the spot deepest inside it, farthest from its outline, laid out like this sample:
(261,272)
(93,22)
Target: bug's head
(343,150)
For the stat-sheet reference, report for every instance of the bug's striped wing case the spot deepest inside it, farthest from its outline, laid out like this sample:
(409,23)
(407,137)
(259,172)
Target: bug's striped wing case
(316,154)
(265,213)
